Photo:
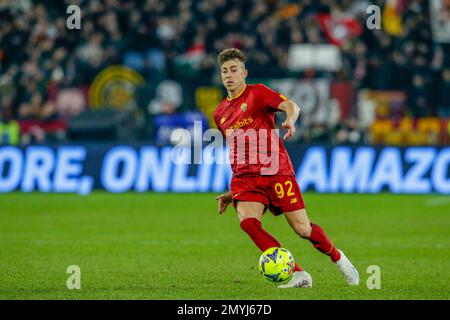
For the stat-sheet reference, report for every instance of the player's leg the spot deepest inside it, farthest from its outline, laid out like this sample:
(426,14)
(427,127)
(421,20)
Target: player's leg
(249,209)
(250,200)
(250,215)
(285,197)
(300,223)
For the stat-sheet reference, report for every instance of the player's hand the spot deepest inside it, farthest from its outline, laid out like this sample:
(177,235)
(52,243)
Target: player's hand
(224,201)
(289,125)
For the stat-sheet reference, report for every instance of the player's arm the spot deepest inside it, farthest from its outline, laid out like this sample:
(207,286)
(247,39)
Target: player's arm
(224,201)
(292,112)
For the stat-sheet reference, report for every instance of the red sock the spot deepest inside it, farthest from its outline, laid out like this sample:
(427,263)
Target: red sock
(297,267)
(261,237)
(321,242)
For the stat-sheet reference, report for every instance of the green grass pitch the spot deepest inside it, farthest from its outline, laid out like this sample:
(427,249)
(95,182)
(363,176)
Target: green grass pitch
(175,246)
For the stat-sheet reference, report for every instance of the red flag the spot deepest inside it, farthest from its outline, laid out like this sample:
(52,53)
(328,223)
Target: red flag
(339,30)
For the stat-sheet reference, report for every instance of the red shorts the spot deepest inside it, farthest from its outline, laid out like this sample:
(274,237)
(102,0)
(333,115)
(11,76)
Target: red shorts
(278,193)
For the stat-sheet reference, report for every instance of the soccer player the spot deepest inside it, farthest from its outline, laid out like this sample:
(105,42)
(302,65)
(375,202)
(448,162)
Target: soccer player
(258,185)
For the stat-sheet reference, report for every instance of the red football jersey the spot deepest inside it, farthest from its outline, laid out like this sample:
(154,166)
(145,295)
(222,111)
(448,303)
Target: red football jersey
(247,121)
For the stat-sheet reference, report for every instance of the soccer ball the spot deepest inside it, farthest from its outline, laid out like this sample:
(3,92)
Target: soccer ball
(277,265)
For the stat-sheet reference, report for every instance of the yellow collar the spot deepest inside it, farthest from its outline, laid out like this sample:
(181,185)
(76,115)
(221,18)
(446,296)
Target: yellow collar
(237,96)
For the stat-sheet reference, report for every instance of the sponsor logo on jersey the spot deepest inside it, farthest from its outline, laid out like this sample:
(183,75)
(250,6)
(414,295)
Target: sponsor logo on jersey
(241,123)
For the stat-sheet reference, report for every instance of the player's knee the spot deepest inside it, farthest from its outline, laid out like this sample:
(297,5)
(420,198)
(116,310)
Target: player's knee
(245,214)
(302,229)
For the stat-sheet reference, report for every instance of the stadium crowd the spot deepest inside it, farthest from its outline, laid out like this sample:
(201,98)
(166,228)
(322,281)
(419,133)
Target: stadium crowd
(179,40)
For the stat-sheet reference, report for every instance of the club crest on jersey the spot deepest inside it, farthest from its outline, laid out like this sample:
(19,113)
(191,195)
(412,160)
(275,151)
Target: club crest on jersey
(244,106)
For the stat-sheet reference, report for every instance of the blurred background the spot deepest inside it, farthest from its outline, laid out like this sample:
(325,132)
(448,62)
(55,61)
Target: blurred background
(137,70)
(117,82)
(94,108)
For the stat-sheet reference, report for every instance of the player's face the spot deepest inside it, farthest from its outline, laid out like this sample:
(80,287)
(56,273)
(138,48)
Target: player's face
(233,74)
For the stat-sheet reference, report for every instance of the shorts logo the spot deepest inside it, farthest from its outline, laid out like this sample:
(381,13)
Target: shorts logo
(244,106)
(294,200)
(222,120)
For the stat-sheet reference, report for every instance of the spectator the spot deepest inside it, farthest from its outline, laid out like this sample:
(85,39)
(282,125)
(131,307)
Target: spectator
(169,120)
(444,103)
(179,40)
(418,97)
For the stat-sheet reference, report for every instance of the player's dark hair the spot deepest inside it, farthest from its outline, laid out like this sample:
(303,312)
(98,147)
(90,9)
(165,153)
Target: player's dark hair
(230,54)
